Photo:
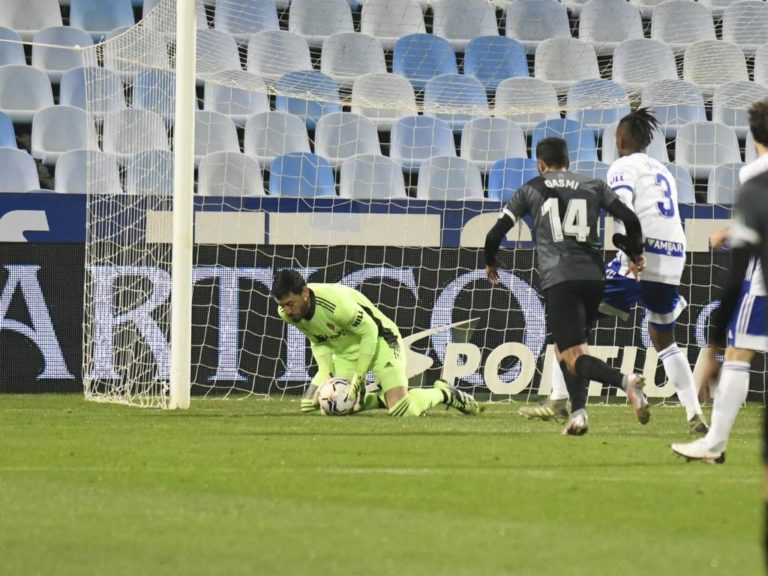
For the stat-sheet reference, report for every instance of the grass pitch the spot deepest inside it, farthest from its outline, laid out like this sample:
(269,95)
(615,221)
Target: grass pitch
(251,487)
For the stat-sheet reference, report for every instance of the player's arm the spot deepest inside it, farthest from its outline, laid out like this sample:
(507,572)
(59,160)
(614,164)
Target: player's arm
(323,355)
(362,325)
(631,243)
(514,209)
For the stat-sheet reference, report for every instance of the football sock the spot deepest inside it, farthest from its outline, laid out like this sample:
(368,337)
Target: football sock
(559,389)
(593,368)
(578,388)
(679,371)
(731,393)
(371,401)
(417,401)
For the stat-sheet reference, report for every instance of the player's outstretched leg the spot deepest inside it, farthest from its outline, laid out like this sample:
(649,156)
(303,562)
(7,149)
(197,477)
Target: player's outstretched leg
(547,409)
(633,385)
(416,402)
(458,399)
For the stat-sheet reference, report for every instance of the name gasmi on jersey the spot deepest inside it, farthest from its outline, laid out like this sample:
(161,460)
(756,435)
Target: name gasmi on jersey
(561,183)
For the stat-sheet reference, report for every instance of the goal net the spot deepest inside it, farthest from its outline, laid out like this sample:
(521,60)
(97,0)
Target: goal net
(373,145)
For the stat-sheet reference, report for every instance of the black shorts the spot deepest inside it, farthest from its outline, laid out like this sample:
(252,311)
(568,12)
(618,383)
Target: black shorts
(572,310)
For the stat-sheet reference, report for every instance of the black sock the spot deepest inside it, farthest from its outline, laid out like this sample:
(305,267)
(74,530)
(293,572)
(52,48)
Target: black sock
(578,388)
(593,368)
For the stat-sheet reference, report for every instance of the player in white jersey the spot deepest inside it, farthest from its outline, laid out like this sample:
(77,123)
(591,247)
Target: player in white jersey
(646,186)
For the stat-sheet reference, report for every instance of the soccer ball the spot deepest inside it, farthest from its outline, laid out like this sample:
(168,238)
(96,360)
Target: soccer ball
(333,398)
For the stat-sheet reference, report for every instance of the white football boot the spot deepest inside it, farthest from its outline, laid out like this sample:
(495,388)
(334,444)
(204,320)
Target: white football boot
(578,424)
(698,450)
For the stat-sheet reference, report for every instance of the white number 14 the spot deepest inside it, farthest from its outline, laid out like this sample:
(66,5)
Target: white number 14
(574,223)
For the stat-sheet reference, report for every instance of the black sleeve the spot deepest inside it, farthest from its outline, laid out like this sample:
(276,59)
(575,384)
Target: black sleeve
(729,297)
(631,243)
(495,236)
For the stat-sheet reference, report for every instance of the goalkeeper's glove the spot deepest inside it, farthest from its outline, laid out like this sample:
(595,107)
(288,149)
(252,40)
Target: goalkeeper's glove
(310,402)
(356,391)
(631,246)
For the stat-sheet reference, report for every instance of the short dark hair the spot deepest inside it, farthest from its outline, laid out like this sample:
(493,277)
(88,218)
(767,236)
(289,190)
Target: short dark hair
(758,121)
(287,282)
(637,129)
(553,151)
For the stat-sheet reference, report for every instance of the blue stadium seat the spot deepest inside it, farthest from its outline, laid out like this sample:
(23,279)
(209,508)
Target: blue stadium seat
(301,174)
(390,20)
(492,59)
(59,129)
(723,182)
(272,53)
(596,103)
(104,86)
(229,174)
(421,57)
(371,177)
(99,17)
(11,49)
(214,132)
(342,135)
(674,103)
(76,167)
(272,134)
(349,55)
(237,94)
(508,175)
(149,172)
(449,178)
(131,130)
(7,132)
(416,138)
(530,22)
(244,19)
(309,94)
(700,146)
(23,91)
(56,61)
(484,141)
(316,20)
(18,172)
(28,16)
(456,99)
(459,21)
(580,138)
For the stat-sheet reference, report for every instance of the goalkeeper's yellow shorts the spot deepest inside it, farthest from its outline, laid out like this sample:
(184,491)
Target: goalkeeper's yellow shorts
(388,366)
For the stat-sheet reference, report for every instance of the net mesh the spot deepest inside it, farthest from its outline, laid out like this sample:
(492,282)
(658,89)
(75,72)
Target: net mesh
(371,145)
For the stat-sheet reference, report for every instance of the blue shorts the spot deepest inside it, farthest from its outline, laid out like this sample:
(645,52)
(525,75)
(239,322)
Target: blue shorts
(748,328)
(662,301)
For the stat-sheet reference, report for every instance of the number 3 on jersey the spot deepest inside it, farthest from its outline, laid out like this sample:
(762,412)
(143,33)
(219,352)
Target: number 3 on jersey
(574,223)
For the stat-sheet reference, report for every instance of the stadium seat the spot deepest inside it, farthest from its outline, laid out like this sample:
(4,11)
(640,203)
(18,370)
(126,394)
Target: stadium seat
(565,61)
(574,6)
(229,174)
(580,138)
(56,61)
(371,177)
(349,55)
(272,53)
(28,16)
(342,135)
(596,103)
(761,65)
(383,98)
(389,20)
(136,40)
(459,21)
(681,23)
(700,146)
(155,90)
(237,94)
(657,149)
(591,168)
(508,175)
(416,138)
(7,132)
(149,172)
(11,48)
(272,134)
(18,171)
(148,5)
(59,129)
(244,19)
(216,51)
(641,61)
(76,167)
(449,178)
(484,141)
(214,132)
(131,130)
(749,148)
(105,89)
(530,22)
(421,57)
(745,23)
(456,99)
(685,189)
(606,23)
(493,59)
(723,182)
(717,7)
(308,94)
(99,17)
(301,174)
(674,103)
(710,63)
(646,7)
(23,91)
(526,101)
(316,20)
(731,102)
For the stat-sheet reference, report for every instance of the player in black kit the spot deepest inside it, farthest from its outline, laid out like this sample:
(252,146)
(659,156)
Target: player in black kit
(565,208)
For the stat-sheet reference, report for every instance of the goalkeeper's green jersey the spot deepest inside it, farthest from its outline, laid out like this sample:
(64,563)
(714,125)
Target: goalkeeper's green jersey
(342,321)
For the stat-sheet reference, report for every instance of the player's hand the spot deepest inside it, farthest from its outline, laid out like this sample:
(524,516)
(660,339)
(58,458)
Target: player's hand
(636,267)
(310,402)
(719,237)
(632,247)
(356,391)
(493,273)
(709,374)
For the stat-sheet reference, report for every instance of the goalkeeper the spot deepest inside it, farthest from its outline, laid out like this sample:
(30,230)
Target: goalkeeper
(349,337)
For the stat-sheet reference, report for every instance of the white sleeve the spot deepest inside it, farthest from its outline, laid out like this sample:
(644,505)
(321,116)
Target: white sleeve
(621,179)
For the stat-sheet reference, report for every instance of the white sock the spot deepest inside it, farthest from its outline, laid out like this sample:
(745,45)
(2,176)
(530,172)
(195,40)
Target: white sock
(559,390)
(730,395)
(679,371)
